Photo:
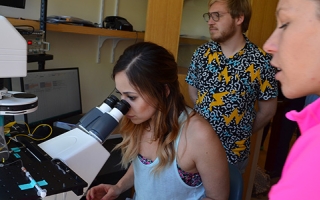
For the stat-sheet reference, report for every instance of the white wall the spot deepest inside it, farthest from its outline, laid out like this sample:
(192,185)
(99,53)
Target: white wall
(77,50)
(192,25)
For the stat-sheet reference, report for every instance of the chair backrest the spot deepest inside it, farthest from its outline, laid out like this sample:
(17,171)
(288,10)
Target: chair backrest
(236,183)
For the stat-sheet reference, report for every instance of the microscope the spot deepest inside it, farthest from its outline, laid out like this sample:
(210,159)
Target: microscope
(80,148)
(13,63)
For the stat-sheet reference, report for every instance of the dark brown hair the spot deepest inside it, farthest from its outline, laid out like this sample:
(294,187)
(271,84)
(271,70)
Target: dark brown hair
(153,72)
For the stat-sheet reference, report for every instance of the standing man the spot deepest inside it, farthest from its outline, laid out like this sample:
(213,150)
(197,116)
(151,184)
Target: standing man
(228,75)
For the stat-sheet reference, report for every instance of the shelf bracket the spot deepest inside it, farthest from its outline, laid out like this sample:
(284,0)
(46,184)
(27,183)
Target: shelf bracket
(115,42)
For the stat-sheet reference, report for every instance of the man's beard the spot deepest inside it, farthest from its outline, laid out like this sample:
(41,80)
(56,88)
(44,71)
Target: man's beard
(224,35)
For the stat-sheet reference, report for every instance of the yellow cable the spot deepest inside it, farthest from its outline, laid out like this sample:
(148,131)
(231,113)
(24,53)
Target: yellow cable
(36,139)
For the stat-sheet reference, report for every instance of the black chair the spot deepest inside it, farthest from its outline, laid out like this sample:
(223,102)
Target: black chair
(236,183)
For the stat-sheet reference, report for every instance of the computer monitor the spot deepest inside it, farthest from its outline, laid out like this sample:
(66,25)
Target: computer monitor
(13,3)
(58,92)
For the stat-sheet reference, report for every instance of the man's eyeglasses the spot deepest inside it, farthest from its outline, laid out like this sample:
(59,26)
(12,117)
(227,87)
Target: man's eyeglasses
(215,16)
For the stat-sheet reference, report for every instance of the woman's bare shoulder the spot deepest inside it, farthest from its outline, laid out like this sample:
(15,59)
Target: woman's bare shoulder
(200,129)
(202,141)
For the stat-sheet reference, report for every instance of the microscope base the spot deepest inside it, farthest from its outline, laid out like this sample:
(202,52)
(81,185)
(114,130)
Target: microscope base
(79,151)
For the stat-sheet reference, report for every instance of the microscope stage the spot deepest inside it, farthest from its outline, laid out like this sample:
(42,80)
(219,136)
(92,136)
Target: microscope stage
(19,103)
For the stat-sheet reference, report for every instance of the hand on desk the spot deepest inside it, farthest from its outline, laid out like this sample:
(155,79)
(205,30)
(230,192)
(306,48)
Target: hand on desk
(103,192)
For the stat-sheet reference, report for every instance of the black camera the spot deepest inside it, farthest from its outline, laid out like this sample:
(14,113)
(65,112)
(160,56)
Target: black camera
(117,23)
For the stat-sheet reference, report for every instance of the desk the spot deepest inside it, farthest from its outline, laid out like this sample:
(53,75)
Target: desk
(41,168)
(46,170)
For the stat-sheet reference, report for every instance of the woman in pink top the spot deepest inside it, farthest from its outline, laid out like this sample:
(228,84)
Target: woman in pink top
(295,49)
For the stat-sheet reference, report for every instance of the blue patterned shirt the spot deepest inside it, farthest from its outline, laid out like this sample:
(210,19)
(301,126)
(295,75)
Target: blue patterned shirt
(228,89)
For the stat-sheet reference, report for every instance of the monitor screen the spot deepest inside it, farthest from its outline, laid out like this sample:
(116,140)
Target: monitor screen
(58,92)
(13,3)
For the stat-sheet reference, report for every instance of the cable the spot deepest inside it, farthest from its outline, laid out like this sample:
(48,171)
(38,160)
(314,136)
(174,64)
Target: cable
(24,30)
(2,165)
(44,137)
(30,135)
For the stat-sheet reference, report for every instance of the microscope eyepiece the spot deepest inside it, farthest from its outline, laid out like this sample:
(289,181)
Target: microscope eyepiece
(104,126)
(123,106)
(111,101)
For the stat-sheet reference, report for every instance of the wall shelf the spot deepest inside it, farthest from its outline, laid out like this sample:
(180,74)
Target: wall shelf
(104,34)
(66,28)
(185,40)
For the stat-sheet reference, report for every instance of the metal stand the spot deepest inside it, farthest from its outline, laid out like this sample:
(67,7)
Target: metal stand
(43,27)
(4,152)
